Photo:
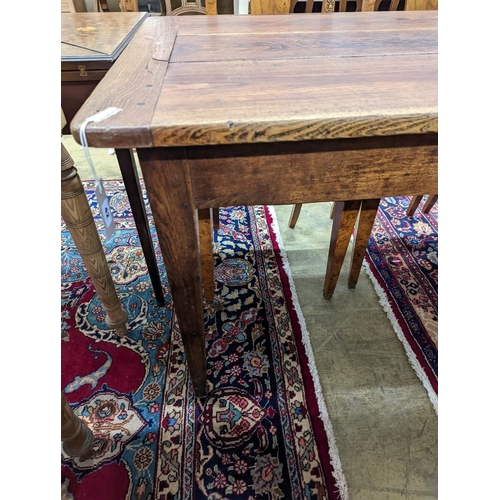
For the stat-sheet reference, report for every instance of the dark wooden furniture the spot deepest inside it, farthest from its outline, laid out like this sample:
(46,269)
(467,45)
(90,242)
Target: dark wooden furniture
(90,45)
(415,202)
(227,111)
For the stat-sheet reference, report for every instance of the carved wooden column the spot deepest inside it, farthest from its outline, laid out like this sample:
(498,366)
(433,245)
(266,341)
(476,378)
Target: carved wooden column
(76,437)
(76,213)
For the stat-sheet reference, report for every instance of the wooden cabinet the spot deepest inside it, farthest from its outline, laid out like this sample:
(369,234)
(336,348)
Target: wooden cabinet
(90,44)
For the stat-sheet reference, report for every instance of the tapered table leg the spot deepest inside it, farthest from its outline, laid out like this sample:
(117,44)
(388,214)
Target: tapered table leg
(167,178)
(206,231)
(76,437)
(344,219)
(76,213)
(128,169)
(367,215)
(215,217)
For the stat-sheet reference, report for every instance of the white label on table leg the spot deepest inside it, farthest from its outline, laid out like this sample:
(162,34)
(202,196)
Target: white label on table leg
(105,209)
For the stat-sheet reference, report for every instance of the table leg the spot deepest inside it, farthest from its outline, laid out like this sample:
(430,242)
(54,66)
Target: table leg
(128,169)
(76,213)
(206,231)
(362,233)
(167,178)
(76,437)
(344,219)
(215,217)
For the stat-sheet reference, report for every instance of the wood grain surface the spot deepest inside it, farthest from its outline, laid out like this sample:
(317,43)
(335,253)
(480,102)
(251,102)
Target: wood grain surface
(312,171)
(146,59)
(92,33)
(269,7)
(249,79)
(75,211)
(167,177)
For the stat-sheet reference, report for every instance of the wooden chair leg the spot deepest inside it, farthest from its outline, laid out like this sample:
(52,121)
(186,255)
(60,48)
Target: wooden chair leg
(332,210)
(76,213)
(429,203)
(77,438)
(362,233)
(344,219)
(206,231)
(295,215)
(414,203)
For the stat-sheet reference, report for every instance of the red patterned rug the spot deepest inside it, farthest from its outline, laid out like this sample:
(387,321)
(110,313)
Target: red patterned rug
(402,261)
(263,430)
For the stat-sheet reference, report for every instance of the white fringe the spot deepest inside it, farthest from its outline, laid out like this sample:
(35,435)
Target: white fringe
(412,358)
(334,453)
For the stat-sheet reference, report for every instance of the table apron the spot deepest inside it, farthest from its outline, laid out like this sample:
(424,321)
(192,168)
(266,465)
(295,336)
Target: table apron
(341,170)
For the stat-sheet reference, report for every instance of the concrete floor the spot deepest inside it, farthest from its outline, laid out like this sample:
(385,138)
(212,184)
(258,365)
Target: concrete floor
(383,421)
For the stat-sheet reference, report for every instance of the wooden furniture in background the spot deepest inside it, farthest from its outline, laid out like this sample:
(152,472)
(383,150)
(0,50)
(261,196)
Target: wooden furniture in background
(208,7)
(415,202)
(220,120)
(73,6)
(129,5)
(90,45)
(77,439)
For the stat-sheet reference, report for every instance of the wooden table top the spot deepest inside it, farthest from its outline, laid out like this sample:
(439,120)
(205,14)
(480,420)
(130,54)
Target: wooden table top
(97,36)
(201,80)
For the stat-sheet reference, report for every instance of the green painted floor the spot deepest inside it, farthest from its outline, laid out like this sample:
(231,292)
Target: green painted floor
(384,424)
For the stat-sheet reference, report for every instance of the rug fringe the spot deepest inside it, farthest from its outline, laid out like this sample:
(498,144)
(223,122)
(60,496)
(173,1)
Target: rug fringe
(412,358)
(334,453)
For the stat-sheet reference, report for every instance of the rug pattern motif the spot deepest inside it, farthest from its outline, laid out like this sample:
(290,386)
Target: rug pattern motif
(403,256)
(252,437)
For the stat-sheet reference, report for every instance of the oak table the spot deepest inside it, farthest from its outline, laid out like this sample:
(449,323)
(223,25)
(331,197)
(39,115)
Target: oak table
(251,110)
(90,45)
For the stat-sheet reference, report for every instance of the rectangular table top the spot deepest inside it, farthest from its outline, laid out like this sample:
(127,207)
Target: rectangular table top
(203,80)
(97,36)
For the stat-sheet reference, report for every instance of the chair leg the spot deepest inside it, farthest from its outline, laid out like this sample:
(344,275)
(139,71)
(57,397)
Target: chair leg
(77,438)
(431,200)
(295,215)
(206,231)
(414,203)
(344,218)
(362,233)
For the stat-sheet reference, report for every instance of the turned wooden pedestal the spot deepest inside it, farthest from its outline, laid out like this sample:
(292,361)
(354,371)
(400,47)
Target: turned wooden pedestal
(76,213)
(76,437)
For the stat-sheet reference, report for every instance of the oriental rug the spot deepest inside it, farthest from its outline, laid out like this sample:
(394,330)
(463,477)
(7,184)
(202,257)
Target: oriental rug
(402,261)
(263,430)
